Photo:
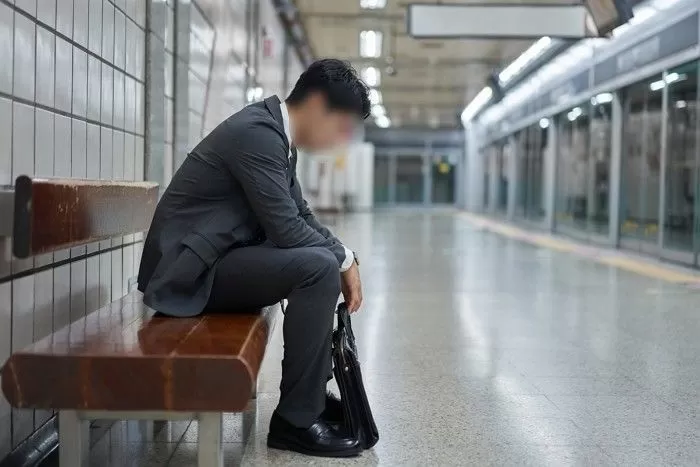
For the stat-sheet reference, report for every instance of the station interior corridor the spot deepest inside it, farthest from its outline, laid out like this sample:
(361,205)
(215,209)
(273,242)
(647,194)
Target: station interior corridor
(524,200)
(478,349)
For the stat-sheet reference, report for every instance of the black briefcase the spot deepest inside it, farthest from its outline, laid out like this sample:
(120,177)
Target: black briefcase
(346,368)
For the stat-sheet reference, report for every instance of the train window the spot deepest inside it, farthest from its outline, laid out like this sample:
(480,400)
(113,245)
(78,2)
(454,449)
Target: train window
(530,201)
(681,200)
(573,187)
(641,163)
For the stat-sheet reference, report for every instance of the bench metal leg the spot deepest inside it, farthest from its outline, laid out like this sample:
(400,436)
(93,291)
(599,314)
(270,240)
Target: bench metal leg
(254,394)
(73,438)
(210,450)
(249,420)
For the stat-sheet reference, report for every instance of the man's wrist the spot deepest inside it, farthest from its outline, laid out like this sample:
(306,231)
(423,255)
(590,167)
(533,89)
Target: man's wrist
(349,260)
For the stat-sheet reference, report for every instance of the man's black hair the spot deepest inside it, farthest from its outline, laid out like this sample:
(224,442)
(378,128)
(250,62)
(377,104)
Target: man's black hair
(338,81)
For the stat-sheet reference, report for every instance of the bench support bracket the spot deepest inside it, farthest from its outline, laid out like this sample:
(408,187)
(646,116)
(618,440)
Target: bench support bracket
(210,449)
(74,436)
(74,433)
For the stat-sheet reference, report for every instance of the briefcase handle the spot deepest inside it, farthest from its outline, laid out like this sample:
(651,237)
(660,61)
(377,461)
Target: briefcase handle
(345,324)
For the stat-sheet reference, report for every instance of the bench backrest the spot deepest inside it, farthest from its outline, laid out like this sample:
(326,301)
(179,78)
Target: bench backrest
(52,214)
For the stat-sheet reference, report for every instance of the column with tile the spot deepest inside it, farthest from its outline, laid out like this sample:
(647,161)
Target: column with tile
(551,175)
(181,108)
(71,105)
(156,166)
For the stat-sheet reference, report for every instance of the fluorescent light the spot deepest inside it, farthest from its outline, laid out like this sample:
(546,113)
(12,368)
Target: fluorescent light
(674,77)
(378,110)
(254,94)
(544,123)
(372,4)
(602,98)
(534,51)
(370,44)
(669,79)
(383,122)
(478,103)
(575,113)
(657,85)
(375,97)
(371,76)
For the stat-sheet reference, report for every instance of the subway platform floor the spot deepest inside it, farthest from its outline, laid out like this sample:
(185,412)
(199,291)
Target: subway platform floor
(483,349)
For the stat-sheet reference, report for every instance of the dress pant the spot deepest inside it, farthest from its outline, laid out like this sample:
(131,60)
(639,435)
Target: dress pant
(309,279)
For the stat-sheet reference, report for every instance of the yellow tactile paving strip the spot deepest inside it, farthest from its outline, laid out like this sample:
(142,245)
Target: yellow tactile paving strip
(613,258)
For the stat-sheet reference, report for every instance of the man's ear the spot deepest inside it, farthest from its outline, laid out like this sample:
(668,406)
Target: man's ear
(317,101)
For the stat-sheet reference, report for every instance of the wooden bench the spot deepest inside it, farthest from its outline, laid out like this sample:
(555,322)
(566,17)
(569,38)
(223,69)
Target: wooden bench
(124,361)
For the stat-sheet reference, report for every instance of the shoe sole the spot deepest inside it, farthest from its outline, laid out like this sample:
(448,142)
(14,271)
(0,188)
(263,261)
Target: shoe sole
(286,445)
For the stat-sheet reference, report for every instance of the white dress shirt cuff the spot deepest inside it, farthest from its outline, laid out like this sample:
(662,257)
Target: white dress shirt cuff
(349,258)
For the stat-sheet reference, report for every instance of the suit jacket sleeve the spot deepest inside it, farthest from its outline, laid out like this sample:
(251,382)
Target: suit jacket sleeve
(260,166)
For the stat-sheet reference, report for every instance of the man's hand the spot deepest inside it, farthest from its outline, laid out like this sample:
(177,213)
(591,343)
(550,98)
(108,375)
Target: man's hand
(352,288)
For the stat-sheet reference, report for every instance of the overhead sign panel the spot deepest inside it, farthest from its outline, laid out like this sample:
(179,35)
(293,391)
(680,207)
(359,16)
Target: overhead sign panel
(674,39)
(509,21)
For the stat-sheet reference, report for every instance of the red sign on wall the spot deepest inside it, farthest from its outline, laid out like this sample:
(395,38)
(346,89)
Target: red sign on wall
(267,44)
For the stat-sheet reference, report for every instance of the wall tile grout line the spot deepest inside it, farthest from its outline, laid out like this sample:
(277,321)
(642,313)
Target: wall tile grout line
(12,168)
(119,9)
(34,289)
(72,42)
(64,262)
(67,114)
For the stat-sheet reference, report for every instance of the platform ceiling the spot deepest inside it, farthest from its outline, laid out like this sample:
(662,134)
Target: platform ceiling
(434,78)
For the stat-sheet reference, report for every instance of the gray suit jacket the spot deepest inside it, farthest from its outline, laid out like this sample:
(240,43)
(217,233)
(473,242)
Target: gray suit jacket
(237,188)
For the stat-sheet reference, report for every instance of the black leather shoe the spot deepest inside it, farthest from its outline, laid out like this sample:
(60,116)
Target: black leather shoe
(333,413)
(320,439)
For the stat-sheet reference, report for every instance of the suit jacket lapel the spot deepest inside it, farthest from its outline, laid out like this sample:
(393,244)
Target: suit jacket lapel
(273,105)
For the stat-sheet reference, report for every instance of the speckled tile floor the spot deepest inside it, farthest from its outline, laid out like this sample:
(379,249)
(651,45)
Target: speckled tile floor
(481,350)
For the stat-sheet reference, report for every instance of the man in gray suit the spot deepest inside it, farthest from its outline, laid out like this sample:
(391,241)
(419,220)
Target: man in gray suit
(233,232)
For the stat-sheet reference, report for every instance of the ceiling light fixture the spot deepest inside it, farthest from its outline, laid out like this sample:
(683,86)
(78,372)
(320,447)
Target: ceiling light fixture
(544,123)
(673,77)
(575,113)
(375,97)
(254,94)
(669,79)
(372,4)
(527,57)
(478,103)
(383,122)
(371,76)
(602,98)
(378,110)
(657,85)
(370,44)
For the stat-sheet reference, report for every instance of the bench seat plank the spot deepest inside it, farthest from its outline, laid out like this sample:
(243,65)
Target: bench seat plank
(122,357)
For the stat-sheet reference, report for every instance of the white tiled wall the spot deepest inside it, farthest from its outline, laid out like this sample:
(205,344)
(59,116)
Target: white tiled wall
(229,70)
(271,65)
(71,105)
(169,89)
(201,42)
